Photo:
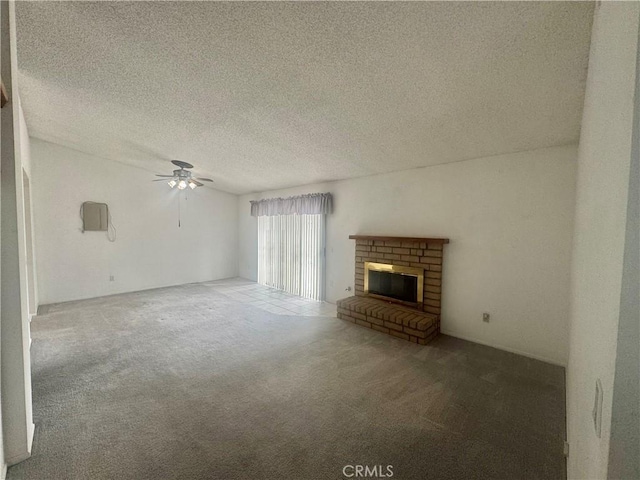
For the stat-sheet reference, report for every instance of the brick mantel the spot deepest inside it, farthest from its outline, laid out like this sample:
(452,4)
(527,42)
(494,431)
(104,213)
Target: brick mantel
(400,239)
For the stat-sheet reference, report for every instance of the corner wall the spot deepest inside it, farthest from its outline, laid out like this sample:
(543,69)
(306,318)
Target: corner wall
(150,249)
(17,420)
(601,221)
(510,221)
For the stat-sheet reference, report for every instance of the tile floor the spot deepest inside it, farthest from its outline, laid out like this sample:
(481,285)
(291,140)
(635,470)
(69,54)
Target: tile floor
(271,299)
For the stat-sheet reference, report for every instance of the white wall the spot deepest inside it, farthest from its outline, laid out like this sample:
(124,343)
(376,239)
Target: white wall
(602,186)
(510,221)
(25,154)
(150,249)
(17,422)
(624,447)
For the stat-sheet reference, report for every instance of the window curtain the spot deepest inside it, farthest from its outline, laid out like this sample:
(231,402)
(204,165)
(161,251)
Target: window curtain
(313,203)
(291,243)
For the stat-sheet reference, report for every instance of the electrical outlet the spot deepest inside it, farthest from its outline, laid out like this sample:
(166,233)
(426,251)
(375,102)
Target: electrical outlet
(486,317)
(111,278)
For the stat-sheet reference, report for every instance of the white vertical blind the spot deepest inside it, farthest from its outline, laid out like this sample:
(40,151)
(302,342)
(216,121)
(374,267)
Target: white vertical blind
(291,254)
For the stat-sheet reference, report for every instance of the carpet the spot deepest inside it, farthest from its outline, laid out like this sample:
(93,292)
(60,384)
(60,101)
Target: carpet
(189,383)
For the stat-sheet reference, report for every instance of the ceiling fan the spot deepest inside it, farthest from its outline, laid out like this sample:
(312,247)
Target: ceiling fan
(182,177)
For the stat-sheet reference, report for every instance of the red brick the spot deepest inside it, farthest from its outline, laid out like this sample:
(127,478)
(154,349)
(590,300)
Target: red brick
(398,318)
(406,320)
(393,326)
(392,243)
(402,335)
(410,244)
(416,333)
(431,260)
(413,323)
(425,323)
(380,329)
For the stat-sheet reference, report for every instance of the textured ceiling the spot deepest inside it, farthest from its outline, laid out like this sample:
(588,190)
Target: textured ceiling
(268,95)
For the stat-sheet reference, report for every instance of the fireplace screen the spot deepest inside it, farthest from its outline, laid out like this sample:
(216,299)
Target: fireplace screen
(394,282)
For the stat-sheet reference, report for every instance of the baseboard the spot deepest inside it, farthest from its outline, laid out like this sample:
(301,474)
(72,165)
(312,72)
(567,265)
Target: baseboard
(506,349)
(30,435)
(23,455)
(18,458)
(48,303)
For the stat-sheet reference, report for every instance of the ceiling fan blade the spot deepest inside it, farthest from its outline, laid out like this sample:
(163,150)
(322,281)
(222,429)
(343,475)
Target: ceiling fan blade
(160,180)
(197,182)
(181,164)
(166,176)
(204,179)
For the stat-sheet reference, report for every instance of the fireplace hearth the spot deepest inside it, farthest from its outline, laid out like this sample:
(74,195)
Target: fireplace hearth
(398,286)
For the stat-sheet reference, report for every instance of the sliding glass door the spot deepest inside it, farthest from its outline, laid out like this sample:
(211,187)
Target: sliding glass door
(291,253)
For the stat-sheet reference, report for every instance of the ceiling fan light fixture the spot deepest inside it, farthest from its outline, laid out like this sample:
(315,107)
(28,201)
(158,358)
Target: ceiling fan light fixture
(181,177)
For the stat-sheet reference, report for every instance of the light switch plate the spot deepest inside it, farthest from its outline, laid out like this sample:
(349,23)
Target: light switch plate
(597,408)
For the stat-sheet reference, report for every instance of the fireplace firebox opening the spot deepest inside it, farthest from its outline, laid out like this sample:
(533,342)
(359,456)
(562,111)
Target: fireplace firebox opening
(395,283)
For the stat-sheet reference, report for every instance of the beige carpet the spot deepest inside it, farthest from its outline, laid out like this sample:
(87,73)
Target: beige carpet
(191,383)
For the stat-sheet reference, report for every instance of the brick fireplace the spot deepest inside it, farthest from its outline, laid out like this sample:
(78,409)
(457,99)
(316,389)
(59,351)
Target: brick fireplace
(398,286)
